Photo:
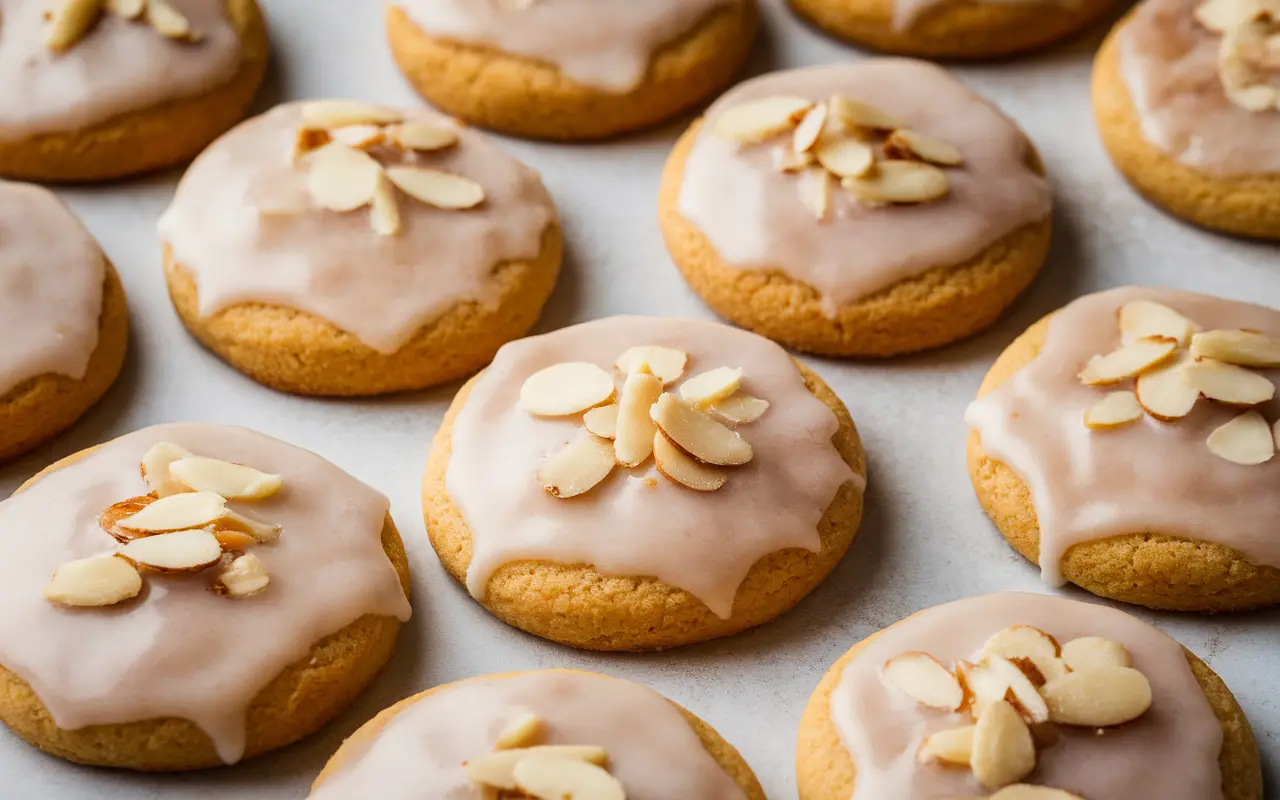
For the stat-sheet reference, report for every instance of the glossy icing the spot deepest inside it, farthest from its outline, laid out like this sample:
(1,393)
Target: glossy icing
(179,650)
(51,277)
(244,224)
(1146,476)
(749,212)
(1168,62)
(111,71)
(704,543)
(652,749)
(1177,741)
(607,44)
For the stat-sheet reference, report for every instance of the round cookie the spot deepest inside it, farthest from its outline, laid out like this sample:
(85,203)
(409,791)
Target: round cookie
(64,324)
(391,251)
(570,70)
(194,666)
(1150,512)
(898,256)
(860,733)
(1172,127)
(655,749)
(79,97)
(636,560)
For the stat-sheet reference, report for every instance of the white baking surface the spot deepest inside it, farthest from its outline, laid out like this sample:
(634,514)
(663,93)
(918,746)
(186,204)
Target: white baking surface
(924,539)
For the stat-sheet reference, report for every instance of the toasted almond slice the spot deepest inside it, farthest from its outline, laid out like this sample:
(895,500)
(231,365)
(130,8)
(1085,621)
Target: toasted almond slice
(762,119)
(1140,319)
(309,140)
(423,136)
(495,769)
(1245,348)
(905,143)
(633,441)
(1164,393)
(953,747)
(178,512)
(522,731)
(155,468)
(246,576)
(814,190)
(902,182)
(342,178)
(578,468)
(232,481)
(1098,698)
(1223,15)
(922,678)
(1129,361)
(1245,440)
(857,114)
(786,160)
(1025,641)
(180,551)
(563,389)
(1094,652)
(361,137)
(809,129)
(1022,692)
(385,212)
(169,21)
(712,386)
(70,22)
(680,468)
(330,114)
(93,582)
(845,157)
(259,530)
(1113,411)
(563,779)
(699,434)
(665,362)
(234,541)
(109,519)
(1003,750)
(1025,791)
(1227,383)
(129,9)
(435,188)
(981,685)
(740,408)
(602,421)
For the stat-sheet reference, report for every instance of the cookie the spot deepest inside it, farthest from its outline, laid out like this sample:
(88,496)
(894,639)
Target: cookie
(569,69)
(198,594)
(1111,446)
(866,209)
(624,737)
(731,486)
(79,96)
(64,324)
(337,248)
(1190,112)
(965,698)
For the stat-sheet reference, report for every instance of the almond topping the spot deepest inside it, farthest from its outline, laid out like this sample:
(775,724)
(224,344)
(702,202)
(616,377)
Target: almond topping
(1141,319)
(1164,393)
(1025,791)
(699,434)
(740,409)
(435,188)
(899,182)
(385,214)
(169,21)
(762,119)
(1223,15)
(809,129)
(1245,348)
(1022,692)
(1129,361)
(922,678)
(908,144)
(129,9)
(1003,750)
(246,576)
(982,686)
(1098,698)
(523,731)
(789,161)
(155,468)
(1245,440)
(234,541)
(563,389)
(602,421)
(361,137)
(680,468)
(954,747)
(1113,411)
(863,115)
(633,442)
(665,362)
(423,136)
(232,481)
(93,582)
(178,512)
(309,140)
(180,551)
(578,468)
(1227,383)
(563,779)
(70,22)
(845,158)
(495,769)
(712,386)
(1024,641)
(109,520)
(1094,652)
(330,114)
(262,531)
(814,189)
(342,178)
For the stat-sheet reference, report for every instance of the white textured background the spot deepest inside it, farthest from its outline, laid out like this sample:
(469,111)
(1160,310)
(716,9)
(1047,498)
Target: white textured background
(924,539)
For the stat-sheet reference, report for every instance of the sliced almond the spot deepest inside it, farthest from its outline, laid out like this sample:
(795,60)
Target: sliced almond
(1241,49)
(496,769)
(1164,393)
(922,678)
(522,731)
(602,421)
(563,779)
(1094,652)
(155,468)
(1223,15)
(982,686)
(699,434)
(1023,693)
(129,9)
(71,20)
(814,191)
(361,137)
(93,582)
(246,576)
(740,408)
(180,551)
(665,362)
(1129,361)
(385,212)
(1227,383)
(342,178)
(953,747)
(900,182)
(178,512)
(234,541)
(905,143)
(309,140)
(1003,750)
(435,188)
(1025,791)
(712,386)
(1245,348)
(232,481)
(330,114)
(1245,440)
(857,114)
(109,519)
(423,136)
(845,157)
(1098,698)
(786,160)
(809,129)
(1113,411)
(759,120)
(578,468)
(563,389)
(633,440)
(1141,319)
(169,21)
(680,468)
(1025,641)
(259,530)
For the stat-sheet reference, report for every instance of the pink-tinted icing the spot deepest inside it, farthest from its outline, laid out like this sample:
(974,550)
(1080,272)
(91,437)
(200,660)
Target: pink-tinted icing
(652,750)
(244,224)
(179,650)
(1170,753)
(750,212)
(602,43)
(111,71)
(1168,62)
(1146,476)
(704,543)
(51,275)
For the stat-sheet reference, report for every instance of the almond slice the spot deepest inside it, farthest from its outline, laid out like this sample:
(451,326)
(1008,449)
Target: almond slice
(905,143)
(180,551)
(495,769)
(1025,641)
(1223,15)
(953,747)
(342,178)
(899,182)
(665,362)
(169,22)
(177,512)
(385,213)
(361,137)
(1022,693)
(155,468)
(845,158)
(1094,652)
(563,389)
(70,22)
(1025,791)
(578,468)
(232,481)
(1140,319)
(309,140)
(788,161)
(809,129)
(1098,698)
(922,678)
(982,686)
(522,731)
(129,9)
(711,386)
(1227,383)
(423,136)
(435,188)
(699,434)
(1164,393)
(330,114)
(234,541)
(1129,361)
(93,582)
(1113,411)
(814,191)
(563,779)
(259,530)
(1003,750)
(633,440)
(759,120)
(857,114)
(680,468)
(740,409)
(602,421)
(246,576)
(1245,348)
(1245,440)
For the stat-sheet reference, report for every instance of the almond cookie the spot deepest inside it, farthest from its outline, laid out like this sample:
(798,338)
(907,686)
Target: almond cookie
(64,324)
(636,483)
(1024,697)
(338,248)
(546,735)
(1126,444)
(866,209)
(80,99)
(569,69)
(197,595)
(1187,98)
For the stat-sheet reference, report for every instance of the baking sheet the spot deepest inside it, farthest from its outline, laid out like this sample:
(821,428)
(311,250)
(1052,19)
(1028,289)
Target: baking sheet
(924,539)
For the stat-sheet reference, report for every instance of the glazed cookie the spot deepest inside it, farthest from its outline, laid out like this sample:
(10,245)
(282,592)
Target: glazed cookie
(1187,97)
(337,248)
(569,69)
(79,95)
(638,483)
(866,209)
(1024,697)
(544,735)
(215,594)
(64,324)
(1125,444)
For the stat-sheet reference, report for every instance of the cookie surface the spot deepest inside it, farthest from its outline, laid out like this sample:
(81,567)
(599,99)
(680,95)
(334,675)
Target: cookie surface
(1145,512)
(88,107)
(655,748)
(859,733)
(778,243)
(186,674)
(570,69)
(306,289)
(640,561)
